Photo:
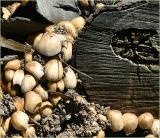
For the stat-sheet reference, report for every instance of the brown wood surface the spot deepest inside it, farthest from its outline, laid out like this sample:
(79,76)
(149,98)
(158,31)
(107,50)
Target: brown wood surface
(118,82)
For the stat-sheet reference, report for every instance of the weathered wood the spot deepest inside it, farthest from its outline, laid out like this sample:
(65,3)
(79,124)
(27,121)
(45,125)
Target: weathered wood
(118,82)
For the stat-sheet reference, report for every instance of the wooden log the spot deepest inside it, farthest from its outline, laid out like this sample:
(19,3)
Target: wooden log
(118,82)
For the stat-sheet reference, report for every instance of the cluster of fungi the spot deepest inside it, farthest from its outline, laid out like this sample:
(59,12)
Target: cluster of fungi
(39,99)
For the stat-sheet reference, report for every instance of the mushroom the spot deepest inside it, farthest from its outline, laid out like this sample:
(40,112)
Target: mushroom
(9,75)
(100,5)
(18,77)
(35,68)
(13,65)
(41,91)
(78,23)
(19,120)
(130,123)
(16,136)
(6,124)
(28,83)
(28,57)
(116,119)
(12,90)
(36,117)
(1,120)
(84,3)
(46,108)
(101,134)
(29,132)
(2,133)
(32,101)
(50,44)
(56,86)
(54,99)
(145,120)
(67,51)
(19,103)
(150,136)
(53,70)
(70,78)
(155,129)
(70,38)
(68,27)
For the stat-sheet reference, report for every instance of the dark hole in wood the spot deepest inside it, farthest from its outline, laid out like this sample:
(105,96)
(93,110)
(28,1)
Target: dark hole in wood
(141,46)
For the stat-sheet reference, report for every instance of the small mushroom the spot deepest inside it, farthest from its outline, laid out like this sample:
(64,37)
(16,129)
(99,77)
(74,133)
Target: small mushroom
(155,129)
(29,132)
(9,75)
(13,65)
(35,68)
(130,122)
(54,99)
(67,51)
(84,3)
(68,27)
(19,120)
(101,134)
(46,108)
(102,117)
(70,78)
(100,5)
(16,136)
(18,77)
(28,83)
(12,90)
(35,39)
(36,117)
(19,103)
(56,87)
(6,124)
(28,57)
(70,38)
(32,101)
(78,23)
(41,91)
(145,120)
(150,136)
(1,120)
(53,70)
(2,133)
(116,119)
(93,109)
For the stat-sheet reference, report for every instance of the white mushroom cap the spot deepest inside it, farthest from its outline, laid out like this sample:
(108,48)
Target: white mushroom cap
(70,78)
(35,68)
(28,83)
(13,64)
(18,77)
(53,70)
(50,44)
(79,23)
(68,26)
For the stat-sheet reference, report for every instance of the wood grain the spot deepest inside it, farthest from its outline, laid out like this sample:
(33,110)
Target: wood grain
(118,82)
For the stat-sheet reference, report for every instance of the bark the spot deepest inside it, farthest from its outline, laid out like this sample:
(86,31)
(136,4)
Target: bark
(118,82)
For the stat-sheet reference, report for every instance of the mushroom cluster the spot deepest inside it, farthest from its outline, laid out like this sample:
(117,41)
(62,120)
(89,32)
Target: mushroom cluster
(34,87)
(129,122)
(33,84)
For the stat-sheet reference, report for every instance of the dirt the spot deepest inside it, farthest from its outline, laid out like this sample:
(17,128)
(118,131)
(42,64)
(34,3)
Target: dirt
(6,106)
(73,118)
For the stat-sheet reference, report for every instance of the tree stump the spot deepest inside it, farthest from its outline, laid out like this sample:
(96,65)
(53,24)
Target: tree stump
(118,82)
